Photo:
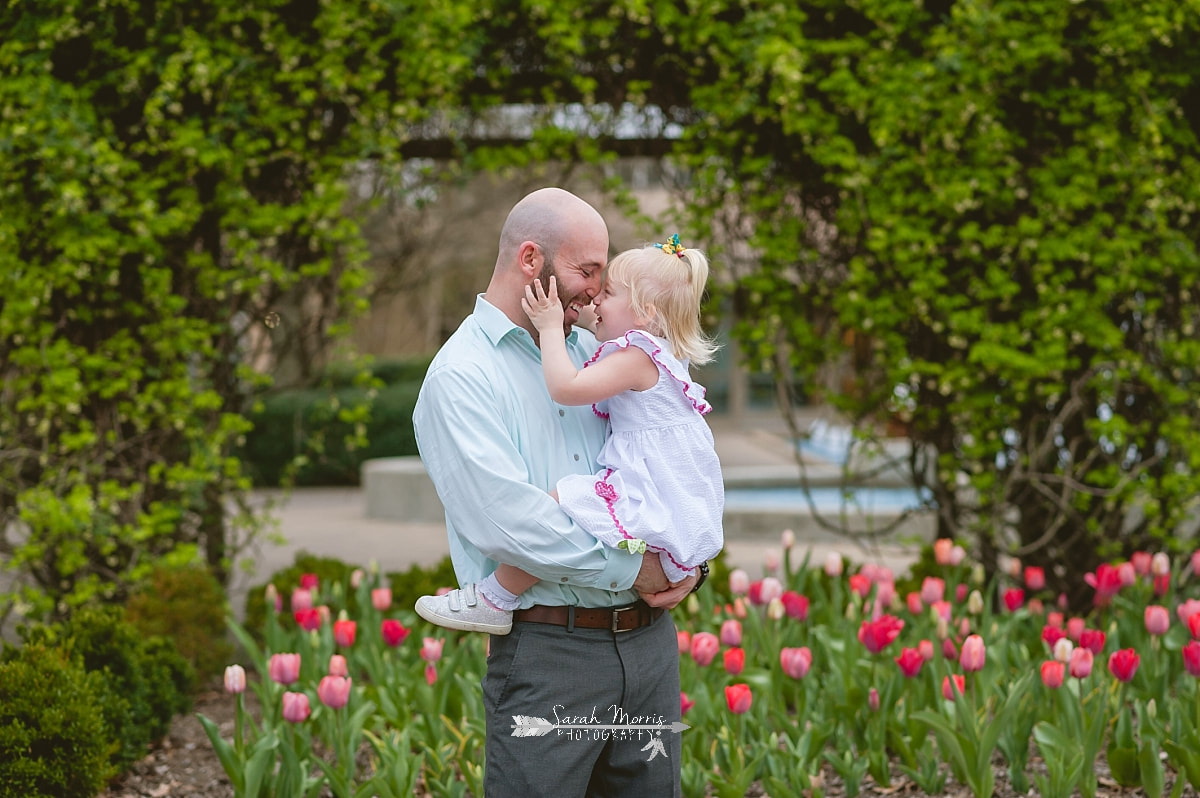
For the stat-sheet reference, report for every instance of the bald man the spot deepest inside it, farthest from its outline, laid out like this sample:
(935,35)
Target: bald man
(591,643)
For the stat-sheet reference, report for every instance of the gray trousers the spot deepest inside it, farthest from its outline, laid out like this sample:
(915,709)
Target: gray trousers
(584,677)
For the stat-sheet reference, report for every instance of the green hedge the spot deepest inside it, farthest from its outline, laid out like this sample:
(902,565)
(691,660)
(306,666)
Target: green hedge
(305,423)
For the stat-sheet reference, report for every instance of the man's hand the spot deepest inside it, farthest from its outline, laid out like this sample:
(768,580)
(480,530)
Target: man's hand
(543,307)
(672,596)
(651,579)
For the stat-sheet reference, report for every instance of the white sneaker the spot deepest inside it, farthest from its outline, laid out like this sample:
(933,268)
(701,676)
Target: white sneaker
(464,609)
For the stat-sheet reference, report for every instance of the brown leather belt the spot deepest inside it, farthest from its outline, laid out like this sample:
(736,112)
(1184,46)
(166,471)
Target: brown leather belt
(616,619)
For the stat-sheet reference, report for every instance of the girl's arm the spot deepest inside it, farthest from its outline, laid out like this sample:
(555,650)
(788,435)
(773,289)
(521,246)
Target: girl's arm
(625,370)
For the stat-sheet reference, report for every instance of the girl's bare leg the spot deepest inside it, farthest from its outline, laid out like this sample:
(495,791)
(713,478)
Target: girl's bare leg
(513,579)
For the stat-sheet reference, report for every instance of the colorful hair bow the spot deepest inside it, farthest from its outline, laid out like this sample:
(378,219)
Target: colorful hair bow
(672,247)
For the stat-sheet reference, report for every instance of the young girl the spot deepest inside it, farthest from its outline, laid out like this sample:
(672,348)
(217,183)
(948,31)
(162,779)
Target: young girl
(660,489)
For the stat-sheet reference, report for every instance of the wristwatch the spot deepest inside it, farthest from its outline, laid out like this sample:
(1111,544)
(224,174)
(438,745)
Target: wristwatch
(702,570)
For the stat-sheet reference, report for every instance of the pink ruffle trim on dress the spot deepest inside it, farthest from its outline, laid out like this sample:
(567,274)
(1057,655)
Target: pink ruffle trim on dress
(607,492)
(702,407)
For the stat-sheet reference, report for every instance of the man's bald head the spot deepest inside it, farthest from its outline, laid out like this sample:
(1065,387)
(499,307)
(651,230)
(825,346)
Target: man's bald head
(545,217)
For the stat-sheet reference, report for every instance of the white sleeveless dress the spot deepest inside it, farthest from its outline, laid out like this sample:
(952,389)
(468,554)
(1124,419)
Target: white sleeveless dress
(661,479)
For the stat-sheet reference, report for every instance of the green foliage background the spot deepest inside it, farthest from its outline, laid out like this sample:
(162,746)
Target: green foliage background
(989,208)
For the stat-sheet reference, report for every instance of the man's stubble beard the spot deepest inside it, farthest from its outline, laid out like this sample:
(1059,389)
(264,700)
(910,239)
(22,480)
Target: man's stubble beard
(544,276)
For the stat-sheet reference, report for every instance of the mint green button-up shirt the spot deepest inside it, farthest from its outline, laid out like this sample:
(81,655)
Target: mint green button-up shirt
(495,444)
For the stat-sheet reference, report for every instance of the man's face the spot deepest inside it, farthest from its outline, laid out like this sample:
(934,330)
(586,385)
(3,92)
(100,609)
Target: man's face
(577,270)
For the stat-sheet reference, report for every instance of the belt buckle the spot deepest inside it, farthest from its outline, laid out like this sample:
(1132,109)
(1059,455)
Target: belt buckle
(616,614)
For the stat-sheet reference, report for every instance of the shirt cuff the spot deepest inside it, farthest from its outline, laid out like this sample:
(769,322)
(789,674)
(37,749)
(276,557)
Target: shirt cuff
(619,573)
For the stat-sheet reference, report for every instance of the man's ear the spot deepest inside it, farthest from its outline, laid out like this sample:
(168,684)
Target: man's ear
(530,256)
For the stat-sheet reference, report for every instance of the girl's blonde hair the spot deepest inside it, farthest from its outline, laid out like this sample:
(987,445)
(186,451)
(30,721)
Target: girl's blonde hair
(666,289)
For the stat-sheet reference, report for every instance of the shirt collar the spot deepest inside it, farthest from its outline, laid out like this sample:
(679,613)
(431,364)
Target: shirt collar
(497,326)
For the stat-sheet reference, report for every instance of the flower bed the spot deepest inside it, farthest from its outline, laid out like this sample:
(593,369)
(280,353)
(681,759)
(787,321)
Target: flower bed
(806,671)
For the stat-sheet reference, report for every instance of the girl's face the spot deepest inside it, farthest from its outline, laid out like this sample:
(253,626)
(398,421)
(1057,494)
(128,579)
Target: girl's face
(614,313)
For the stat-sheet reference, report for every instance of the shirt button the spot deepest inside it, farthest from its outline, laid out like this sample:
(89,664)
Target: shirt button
(613,585)
(577,458)
(561,412)
(564,579)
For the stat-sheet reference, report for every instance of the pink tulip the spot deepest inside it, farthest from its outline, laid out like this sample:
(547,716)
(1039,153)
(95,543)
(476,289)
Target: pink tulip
(343,633)
(731,632)
(1052,673)
(705,646)
(1141,562)
(796,661)
(1187,609)
(772,588)
(684,638)
(771,561)
(860,585)
(926,649)
(957,555)
(795,605)
(739,698)
(430,673)
(1127,573)
(1123,664)
(323,613)
(431,649)
(302,599)
(953,685)
(334,691)
(1075,627)
(942,610)
(235,679)
(910,661)
(960,592)
(284,668)
(873,700)
(685,704)
(338,666)
(885,593)
(1158,620)
(913,600)
(949,650)
(381,598)
(735,660)
(739,582)
(393,632)
(1081,662)
(973,655)
(1035,577)
(1106,581)
(356,578)
(295,707)
(932,589)
(1191,657)
(739,605)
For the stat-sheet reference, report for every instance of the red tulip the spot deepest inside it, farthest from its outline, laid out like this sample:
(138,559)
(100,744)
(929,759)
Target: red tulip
(1106,581)
(1158,620)
(913,600)
(684,638)
(309,620)
(1013,598)
(1052,673)
(949,650)
(1081,662)
(1055,619)
(873,700)
(1123,664)
(973,655)
(1191,657)
(284,668)
(878,635)
(334,691)
(731,632)
(795,605)
(295,707)
(1092,639)
(381,598)
(950,689)
(430,673)
(685,704)
(735,660)
(1035,577)
(308,581)
(860,584)
(1162,584)
(705,646)
(796,661)
(910,662)
(739,698)
(393,632)
(1052,634)
(343,633)
(1194,625)
(960,592)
